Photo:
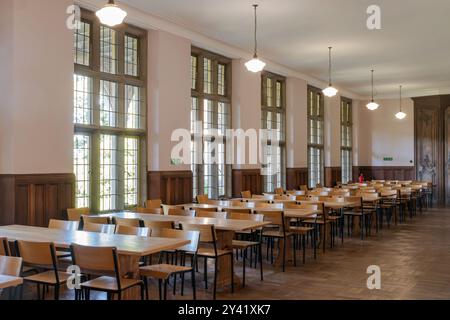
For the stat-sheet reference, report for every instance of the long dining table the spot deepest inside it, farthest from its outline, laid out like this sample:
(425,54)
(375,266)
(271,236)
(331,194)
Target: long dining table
(225,229)
(129,248)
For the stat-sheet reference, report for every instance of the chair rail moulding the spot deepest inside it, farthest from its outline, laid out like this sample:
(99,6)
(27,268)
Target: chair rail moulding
(172,187)
(34,199)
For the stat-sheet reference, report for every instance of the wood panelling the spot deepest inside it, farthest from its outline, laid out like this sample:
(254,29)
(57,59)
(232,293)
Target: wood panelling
(36,198)
(431,133)
(296,177)
(172,187)
(247,179)
(384,173)
(332,176)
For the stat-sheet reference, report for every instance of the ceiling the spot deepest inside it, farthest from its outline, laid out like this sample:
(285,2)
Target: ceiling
(412,48)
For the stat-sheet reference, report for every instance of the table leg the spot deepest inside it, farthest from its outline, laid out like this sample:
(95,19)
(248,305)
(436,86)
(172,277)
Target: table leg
(225,242)
(129,267)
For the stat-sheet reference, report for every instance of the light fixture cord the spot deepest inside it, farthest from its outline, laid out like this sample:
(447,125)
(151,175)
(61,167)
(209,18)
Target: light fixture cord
(329,64)
(400,98)
(255,6)
(372,85)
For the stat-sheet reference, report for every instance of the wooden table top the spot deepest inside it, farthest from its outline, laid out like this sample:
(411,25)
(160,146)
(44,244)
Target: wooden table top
(126,245)
(9,281)
(332,204)
(294,213)
(220,224)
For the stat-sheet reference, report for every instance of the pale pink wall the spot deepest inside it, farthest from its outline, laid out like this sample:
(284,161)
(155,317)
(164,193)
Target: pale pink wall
(382,135)
(40,89)
(169,96)
(296,123)
(246,102)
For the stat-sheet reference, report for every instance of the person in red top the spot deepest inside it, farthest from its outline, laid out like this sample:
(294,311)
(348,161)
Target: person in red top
(361,178)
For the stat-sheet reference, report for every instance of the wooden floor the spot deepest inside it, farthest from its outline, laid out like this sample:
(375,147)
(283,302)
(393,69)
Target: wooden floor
(414,258)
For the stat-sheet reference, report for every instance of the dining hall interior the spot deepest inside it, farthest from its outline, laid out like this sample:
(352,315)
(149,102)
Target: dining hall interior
(224,150)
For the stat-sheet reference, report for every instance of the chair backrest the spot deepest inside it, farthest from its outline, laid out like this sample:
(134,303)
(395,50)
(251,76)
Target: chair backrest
(302,206)
(246,194)
(75,214)
(240,210)
(95,260)
(157,226)
(193,236)
(319,193)
(137,223)
(304,187)
(274,217)
(149,210)
(202,199)
(132,231)
(41,254)
(96,219)
(245,216)
(207,231)
(208,214)
(181,212)
(279,191)
(10,266)
(4,247)
(389,193)
(153,204)
(99,228)
(63,225)
(260,204)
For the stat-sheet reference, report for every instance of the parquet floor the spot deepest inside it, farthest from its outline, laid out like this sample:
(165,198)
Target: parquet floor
(414,258)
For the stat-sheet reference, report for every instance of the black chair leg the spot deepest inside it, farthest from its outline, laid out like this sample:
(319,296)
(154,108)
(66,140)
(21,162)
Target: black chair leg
(215,277)
(260,261)
(194,290)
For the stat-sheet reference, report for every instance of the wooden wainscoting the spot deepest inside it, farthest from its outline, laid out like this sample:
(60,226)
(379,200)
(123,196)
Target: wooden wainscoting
(295,177)
(34,199)
(172,187)
(246,179)
(384,173)
(333,175)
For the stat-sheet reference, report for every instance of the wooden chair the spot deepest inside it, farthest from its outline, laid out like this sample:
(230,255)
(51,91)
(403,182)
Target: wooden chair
(208,237)
(99,228)
(245,245)
(137,223)
(208,214)
(246,194)
(163,272)
(102,261)
(304,188)
(279,191)
(214,209)
(153,204)
(156,227)
(276,218)
(63,225)
(132,231)
(322,221)
(202,199)
(42,255)
(238,210)
(388,204)
(10,268)
(357,211)
(149,210)
(181,213)
(66,226)
(4,247)
(76,213)
(95,219)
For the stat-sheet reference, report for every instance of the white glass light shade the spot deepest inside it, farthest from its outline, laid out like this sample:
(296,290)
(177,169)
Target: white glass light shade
(372,106)
(400,115)
(330,91)
(111,15)
(255,65)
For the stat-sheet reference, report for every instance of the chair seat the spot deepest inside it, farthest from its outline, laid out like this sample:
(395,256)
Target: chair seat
(300,230)
(334,218)
(209,252)
(62,254)
(276,234)
(110,283)
(319,221)
(238,244)
(48,277)
(162,271)
(355,213)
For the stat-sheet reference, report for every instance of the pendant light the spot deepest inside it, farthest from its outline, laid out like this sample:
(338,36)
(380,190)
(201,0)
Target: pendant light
(111,15)
(372,105)
(255,65)
(400,115)
(330,91)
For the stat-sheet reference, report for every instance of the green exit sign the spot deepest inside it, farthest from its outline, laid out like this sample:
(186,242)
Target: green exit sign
(388,159)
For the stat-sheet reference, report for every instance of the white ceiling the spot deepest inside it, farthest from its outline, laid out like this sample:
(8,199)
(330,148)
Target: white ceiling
(412,49)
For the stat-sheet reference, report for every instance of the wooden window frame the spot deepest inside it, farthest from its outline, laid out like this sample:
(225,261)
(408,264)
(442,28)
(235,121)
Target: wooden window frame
(348,123)
(94,130)
(320,147)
